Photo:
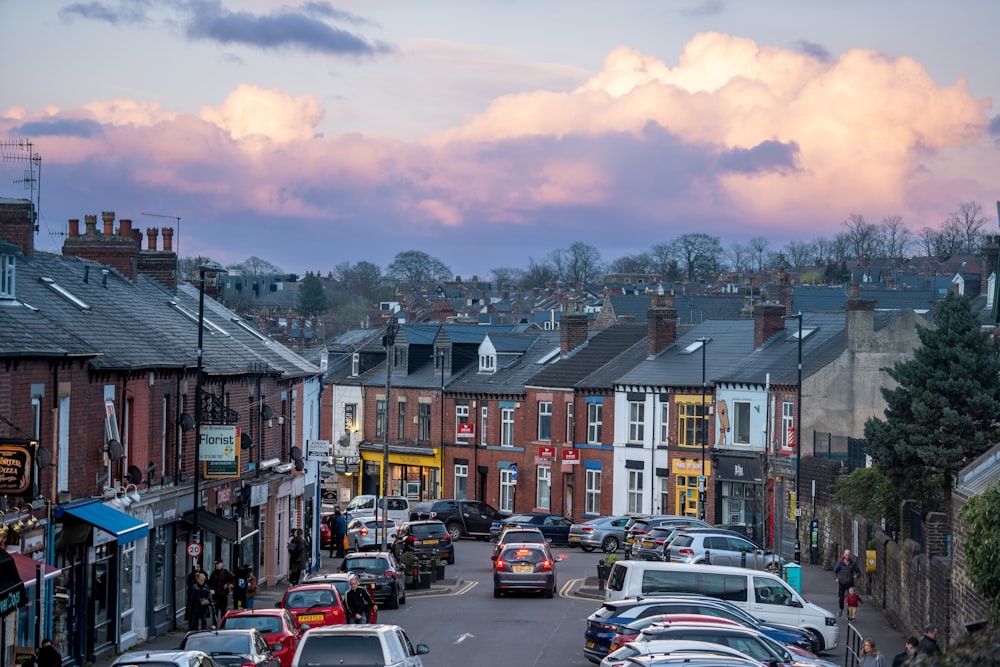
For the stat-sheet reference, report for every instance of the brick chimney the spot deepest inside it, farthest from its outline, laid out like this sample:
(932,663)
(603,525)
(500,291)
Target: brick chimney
(860,322)
(572,328)
(991,253)
(116,251)
(784,290)
(661,323)
(17,225)
(151,234)
(768,319)
(160,265)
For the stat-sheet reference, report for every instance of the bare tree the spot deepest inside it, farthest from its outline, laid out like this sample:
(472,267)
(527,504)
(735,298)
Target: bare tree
(363,278)
(950,238)
(759,249)
(969,222)
(896,239)
(506,277)
(699,255)
(580,263)
(630,264)
(739,257)
(927,239)
(663,258)
(256,267)
(823,252)
(841,248)
(862,237)
(799,253)
(414,266)
(538,273)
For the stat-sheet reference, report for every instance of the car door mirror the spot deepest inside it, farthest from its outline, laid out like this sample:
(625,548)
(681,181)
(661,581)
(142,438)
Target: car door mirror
(276,646)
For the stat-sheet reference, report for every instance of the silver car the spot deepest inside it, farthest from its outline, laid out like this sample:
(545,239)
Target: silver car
(364,533)
(524,566)
(606,533)
(722,549)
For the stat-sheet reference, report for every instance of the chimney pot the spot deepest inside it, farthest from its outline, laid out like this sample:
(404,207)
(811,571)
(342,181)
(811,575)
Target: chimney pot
(90,223)
(125,228)
(109,222)
(151,234)
(168,239)
(74,227)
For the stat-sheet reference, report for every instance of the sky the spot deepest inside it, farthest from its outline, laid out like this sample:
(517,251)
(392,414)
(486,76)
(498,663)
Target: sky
(488,133)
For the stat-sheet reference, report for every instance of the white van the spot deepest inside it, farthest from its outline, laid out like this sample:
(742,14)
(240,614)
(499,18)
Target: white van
(762,594)
(396,507)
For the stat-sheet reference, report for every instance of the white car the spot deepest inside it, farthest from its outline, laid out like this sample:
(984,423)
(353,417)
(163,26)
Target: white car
(379,644)
(619,657)
(365,533)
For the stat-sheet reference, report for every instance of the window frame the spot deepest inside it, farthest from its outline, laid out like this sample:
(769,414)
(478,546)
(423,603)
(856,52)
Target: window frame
(595,423)
(545,420)
(637,421)
(506,427)
(543,487)
(592,491)
(741,422)
(635,490)
(461,472)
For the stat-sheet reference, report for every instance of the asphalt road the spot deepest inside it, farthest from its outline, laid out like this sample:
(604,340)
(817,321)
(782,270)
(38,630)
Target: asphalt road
(470,627)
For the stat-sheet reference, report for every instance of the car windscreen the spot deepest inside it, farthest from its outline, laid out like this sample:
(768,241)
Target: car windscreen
(523,554)
(341,650)
(223,642)
(266,624)
(520,518)
(428,530)
(523,536)
(310,598)
(682,541)
(370,565)
(377,523)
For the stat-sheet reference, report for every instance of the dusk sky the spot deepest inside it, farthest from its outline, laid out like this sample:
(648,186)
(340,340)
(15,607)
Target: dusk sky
(485,133)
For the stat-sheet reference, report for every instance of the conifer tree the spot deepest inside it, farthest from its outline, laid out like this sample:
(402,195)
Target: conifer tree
(943,411)
(312,296)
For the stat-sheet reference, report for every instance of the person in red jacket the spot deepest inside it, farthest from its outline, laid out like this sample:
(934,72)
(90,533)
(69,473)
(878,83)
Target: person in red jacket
(852,600)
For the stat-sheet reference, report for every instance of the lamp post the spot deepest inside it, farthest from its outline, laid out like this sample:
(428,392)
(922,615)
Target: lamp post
(798,439)
(703,478)
(389,341)
(439,360)
(214,267)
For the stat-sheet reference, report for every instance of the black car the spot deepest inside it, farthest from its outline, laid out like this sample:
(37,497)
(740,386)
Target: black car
(554,527)
(232,647)
(381,569)
(424,539)
(462,518)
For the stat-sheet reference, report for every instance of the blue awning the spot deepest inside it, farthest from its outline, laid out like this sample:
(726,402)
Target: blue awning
(124,527)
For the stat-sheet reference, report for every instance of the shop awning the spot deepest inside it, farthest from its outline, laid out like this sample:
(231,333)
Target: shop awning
(12,594)
(26,569)
(123,527)
(225,528)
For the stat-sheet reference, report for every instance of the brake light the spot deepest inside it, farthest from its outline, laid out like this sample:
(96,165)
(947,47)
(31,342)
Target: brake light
(390,574)
(615,645)
(247,664)
(685,551)
(658,541)
(446,537)
(364,531)
(499,563)
(587,529)
(604,627)
(411,538)
(546,565)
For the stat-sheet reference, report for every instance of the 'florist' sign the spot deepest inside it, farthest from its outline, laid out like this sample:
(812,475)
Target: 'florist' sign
(219,443)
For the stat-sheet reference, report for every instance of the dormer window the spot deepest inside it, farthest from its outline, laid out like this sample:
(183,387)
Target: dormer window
(487,363)
(7,265)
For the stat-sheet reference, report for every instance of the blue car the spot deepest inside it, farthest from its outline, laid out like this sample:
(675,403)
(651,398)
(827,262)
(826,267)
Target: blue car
(555,527)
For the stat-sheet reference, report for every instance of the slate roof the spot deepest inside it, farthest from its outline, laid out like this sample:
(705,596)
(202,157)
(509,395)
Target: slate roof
(831,299)
(129,326)
(598,351)
(510,379)
(691,308)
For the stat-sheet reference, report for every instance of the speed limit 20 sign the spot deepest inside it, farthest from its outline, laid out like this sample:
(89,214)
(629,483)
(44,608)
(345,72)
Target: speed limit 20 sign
(193,549)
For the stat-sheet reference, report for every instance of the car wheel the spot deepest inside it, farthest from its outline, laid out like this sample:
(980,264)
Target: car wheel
(550,592)
(497,593)
(451,558)
(610,544)
(402,600)
(392,602)
(586,548)
(455,531)
(817,641)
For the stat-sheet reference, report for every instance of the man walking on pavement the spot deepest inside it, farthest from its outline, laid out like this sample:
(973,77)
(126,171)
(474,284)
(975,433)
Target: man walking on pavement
(221,582)
(844,573)
(339,533)
(928,643)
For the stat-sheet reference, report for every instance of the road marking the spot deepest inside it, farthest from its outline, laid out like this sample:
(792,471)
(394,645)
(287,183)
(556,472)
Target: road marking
(462,638)
(566,590)
(461,591)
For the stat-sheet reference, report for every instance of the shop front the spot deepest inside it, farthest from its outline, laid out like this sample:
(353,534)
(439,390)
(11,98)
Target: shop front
(414,472)
(740,484)
(12,597)
(97,547)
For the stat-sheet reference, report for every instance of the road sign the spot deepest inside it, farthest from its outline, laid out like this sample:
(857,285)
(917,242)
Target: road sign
(513,472)
(193,549)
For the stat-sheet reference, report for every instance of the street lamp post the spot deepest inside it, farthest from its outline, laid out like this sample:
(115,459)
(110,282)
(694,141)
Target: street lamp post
(389,341)
(798,440)
(202,270)
(703,478)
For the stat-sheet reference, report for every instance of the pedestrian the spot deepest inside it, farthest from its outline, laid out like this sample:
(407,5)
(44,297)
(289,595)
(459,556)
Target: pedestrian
(870,657)
(251,587)
(194,572)
(358,602)
(339,533)
(908,650)
(220,583)
(852,600)
(47,655)
(199,603)
(296,556)
(928,643)
(844,573)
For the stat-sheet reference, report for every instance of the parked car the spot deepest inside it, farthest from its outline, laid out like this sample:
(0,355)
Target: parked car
(315,603)
(382,569)
(750,642)
(424,539)
(232,648)
(396,508)
(325,534)
(139,658)
(513,534)
(372,644)
(365,533)
(642,525)
(691,659)
(277,626)
(462,518)
(341,581)
(606,533)
(620,657)
(653,544)
(629,631)
(554,527)
(723,549)
(523,566)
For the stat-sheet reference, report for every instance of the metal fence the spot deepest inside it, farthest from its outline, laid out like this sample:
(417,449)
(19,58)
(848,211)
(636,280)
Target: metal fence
(846,449)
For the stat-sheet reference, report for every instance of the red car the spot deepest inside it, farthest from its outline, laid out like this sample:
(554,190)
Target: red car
(315,604)
(276,625)
(325,536)
(628,633)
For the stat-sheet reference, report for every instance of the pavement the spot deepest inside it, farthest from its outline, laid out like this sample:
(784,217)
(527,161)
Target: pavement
(819,587)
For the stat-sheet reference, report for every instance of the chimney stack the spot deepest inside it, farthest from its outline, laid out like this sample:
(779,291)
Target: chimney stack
(151,234)
(74,227)
(17,225)
(109,222)
(768,319)
(90,223)
(161,266)
(661,323)
(573,327)
(168,239)
(860,321)
(116,251)
(125,228)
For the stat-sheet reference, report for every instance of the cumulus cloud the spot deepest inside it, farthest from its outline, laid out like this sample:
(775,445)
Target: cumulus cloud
(252,113)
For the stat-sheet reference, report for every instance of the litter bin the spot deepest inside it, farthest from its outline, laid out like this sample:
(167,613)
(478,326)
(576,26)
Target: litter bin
(792,573)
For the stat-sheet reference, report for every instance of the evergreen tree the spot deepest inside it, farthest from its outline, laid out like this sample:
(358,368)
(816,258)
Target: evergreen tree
(942,413)
(312,296)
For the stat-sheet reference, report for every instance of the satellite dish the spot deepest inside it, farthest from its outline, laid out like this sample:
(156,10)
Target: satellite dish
(187,422)
(134,475)
(266,412)
(246,442)
(43,457)
(295,453)
(115,451)
(299,464)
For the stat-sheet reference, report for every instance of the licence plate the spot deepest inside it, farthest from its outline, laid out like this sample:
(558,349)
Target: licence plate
(574,538)
(310,617)
(590,644)
(430,541)
(630,540)
(522,568)
(647,543)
